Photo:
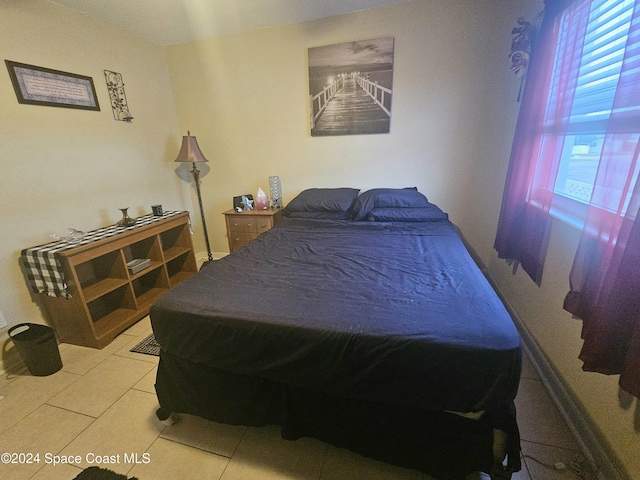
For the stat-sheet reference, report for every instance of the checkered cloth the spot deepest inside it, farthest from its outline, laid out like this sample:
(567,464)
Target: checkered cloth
(42,263)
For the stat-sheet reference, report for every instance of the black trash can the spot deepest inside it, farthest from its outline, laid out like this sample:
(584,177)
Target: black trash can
(38,348)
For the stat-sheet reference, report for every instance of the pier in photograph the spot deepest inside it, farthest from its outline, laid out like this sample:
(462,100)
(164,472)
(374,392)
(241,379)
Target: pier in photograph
(352,105)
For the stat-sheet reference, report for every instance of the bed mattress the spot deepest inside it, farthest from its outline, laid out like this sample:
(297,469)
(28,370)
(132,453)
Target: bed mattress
(393,313)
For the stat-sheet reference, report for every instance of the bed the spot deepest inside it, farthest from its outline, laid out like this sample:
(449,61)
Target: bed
(360,320)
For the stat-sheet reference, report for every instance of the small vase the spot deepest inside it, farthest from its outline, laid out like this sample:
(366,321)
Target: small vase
(126,220)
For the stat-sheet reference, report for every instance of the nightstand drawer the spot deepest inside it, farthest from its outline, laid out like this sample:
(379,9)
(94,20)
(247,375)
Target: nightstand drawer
(242,227)
(263,224)
(234,224)
(250,224)
(237,240)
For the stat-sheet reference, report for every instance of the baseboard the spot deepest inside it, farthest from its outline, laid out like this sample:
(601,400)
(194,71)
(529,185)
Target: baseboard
(202,257)
(585,435)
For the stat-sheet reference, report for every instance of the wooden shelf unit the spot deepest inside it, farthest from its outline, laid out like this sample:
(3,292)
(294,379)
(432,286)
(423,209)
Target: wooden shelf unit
(105,298)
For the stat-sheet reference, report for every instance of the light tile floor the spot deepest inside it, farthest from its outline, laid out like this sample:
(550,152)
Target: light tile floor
(101,406)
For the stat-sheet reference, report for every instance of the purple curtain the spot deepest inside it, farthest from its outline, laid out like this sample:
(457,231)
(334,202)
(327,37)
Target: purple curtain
(524,223)
(605,278)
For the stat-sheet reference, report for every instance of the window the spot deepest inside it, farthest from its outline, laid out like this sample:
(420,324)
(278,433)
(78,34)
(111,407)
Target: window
(579,105)
(578,140)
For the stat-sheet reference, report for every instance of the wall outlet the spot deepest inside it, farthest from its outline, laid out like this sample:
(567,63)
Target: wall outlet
(3,322)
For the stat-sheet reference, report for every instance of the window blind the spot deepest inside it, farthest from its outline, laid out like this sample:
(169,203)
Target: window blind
(586,72)
(602,55)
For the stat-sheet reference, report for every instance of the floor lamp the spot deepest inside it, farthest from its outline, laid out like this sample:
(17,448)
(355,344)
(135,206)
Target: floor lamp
(190,152)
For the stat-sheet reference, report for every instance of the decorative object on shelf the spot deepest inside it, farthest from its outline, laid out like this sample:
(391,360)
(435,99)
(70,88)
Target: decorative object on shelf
(74,236)
(276,191)
(247,202)
(52,88)
(126,220)
(157,210)
(138,264)
(242,201)
(118,98)
(190,152)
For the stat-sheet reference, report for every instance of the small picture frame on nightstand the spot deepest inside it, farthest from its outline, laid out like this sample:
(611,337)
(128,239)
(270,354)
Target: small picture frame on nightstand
(237,201)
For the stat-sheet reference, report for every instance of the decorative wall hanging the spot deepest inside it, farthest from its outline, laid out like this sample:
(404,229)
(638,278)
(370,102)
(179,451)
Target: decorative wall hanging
(521,50)
(351,87)
(115,85)
(520,47)
(53,88)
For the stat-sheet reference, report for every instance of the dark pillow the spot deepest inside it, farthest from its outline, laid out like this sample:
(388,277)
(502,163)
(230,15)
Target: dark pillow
(430,213)
(387,197)
(322,215)
(323,200)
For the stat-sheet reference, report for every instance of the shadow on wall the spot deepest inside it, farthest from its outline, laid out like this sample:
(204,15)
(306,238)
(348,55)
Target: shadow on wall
(476,258)
(11,360)
(626,401)
(184,172)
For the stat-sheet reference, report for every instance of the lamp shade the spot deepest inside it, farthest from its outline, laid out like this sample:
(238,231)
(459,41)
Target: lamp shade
(190,151)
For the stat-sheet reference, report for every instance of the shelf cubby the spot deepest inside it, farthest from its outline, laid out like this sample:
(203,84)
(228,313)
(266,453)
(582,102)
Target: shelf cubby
(148,287)
(105,267)
(180,267)
(112,304)
(146,248)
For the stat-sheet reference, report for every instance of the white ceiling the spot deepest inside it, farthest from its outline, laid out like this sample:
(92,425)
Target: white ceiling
(167,22)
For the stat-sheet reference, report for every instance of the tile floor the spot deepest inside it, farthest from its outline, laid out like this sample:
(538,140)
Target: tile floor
(102,403)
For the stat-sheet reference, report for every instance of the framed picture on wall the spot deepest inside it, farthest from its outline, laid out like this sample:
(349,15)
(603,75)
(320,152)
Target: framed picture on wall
(44,86)
(351,87)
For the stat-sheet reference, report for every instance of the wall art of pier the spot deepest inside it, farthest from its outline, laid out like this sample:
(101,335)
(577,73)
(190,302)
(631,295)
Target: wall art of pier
(352,104)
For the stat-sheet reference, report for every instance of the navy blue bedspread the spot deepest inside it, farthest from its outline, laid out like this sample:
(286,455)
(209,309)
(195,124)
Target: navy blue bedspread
(395,313)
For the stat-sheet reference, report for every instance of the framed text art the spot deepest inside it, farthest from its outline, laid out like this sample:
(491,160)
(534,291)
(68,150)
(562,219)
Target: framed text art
(351,87)
(53,88)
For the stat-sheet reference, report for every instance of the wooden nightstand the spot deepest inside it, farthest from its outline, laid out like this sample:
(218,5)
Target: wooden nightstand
(242,227)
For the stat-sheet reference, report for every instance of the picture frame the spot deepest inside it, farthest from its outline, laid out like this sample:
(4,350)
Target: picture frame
(351,87)
(238,202)
(53,88)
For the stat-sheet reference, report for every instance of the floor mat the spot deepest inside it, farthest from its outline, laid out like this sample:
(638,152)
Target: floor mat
(148,346)
(96,473)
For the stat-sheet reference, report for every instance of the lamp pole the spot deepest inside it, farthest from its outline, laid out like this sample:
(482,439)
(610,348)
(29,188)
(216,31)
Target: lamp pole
(196,178)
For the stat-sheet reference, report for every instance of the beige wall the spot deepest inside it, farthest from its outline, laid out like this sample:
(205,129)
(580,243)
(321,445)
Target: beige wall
(74,168)
(245,98)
